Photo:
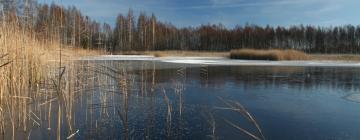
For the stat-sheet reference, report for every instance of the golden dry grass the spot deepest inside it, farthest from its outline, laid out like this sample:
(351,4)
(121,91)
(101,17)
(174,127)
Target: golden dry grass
(342,57)
(335,57)
(25,63)
(272,54)
(187,53)
(159,54)
(177,53)
(24,70)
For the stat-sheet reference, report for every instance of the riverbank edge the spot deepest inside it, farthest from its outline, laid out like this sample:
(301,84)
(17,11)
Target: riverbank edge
(332,57)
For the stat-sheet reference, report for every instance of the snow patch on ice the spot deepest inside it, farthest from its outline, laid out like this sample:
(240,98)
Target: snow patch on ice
(119,57)
(224,61)
(353,97)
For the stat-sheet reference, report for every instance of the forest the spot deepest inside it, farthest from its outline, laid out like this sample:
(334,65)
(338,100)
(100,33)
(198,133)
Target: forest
(143,32)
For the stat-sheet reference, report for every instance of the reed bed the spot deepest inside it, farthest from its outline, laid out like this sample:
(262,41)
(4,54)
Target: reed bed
(27,66)
(272,54)
(22,69)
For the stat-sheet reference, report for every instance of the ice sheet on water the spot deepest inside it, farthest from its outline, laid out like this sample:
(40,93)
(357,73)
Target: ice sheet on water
(353,97)
(119,57)
(225,61)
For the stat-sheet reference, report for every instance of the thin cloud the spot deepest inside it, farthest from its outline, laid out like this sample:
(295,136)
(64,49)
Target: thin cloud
(323,10)
(219,2)
(237,5)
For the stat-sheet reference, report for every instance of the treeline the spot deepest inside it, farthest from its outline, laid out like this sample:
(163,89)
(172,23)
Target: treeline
(145,32)
(56,23)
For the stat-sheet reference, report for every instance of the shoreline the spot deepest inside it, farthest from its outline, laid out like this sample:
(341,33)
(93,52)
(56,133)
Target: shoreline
(325,57)
(224,61)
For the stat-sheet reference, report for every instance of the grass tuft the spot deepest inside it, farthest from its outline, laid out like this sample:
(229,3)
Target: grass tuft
(272,54)
(159,54)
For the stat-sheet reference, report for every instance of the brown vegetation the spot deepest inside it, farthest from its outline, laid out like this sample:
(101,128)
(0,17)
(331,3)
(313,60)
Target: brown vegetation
(337,57)
(177,53)
(252,54)
(25,64)
(187,53)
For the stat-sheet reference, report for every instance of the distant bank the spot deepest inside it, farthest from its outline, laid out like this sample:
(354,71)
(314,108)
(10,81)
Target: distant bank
(334,57)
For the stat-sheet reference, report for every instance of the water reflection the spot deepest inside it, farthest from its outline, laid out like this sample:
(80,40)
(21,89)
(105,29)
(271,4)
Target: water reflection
(153,100)
(294,77)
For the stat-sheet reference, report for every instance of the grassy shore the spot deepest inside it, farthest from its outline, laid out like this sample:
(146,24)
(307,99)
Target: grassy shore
(340,57)
(273,54)
(177,53)
(334,57)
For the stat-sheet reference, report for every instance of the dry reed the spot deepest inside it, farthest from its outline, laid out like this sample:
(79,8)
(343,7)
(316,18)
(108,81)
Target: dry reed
(26,66)
(237,107)
(272,54)
(169,112)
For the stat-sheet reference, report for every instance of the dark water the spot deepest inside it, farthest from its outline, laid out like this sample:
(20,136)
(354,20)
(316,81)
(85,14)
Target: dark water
(154,100)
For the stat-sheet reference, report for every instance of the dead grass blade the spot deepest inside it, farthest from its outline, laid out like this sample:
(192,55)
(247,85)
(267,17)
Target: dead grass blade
(236,106)
(7,63)
(242,130)
(210,119)
(169,110)
(73,134)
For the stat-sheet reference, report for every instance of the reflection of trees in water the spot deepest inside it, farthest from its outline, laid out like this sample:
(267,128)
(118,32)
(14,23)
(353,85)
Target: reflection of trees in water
(146,100)
(295,77)
(148,79)
(138,99)
(267,76)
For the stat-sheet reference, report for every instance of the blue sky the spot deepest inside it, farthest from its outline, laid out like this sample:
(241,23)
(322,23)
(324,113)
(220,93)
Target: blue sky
(229,12)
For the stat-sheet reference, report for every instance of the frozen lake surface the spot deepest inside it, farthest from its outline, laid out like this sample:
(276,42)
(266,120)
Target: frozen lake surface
(226,61)
(145,97)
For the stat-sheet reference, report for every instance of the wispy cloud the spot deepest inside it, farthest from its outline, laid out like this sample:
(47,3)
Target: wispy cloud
(229,12)
(219,2)
(324,10)
(234,5)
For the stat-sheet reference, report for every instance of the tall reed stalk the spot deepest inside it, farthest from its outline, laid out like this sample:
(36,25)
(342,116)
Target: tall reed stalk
(26,66)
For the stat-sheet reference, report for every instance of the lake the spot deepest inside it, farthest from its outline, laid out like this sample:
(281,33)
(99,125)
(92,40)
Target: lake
(151,99)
